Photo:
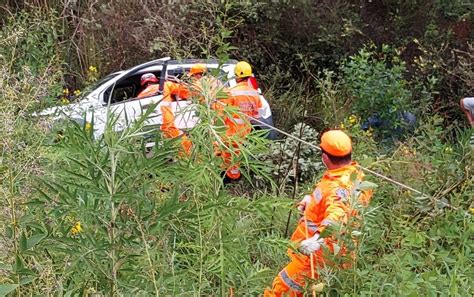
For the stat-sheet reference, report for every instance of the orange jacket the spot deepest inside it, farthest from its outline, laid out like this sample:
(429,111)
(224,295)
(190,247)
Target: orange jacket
(247,100)
(329,202)
(174,90)
(171,89)
(150,90)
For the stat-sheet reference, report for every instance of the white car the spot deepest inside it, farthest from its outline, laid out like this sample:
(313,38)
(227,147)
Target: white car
(118,92)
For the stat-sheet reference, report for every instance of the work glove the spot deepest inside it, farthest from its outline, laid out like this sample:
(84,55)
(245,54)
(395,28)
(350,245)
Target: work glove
(305,202)
(311,245)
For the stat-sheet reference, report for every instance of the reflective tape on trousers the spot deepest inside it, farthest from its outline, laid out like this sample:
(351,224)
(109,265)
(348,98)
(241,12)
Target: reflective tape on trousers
(312,226)
(289,282)
(244,93)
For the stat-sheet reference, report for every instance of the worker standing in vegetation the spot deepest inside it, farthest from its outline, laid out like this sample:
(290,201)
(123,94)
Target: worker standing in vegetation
(150,85)
(174,91)
(246,99)
(467,106)
(327,205)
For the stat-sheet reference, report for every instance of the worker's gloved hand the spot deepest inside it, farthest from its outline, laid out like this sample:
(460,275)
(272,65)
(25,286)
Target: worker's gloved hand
(311,245)
(305,202)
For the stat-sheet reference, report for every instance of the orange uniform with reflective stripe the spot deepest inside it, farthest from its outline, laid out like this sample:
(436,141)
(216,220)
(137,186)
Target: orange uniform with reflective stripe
(328,205)
(150,90)
(172,90)
(247,100)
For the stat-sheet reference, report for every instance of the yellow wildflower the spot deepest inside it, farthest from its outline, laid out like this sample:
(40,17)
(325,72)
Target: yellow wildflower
(448,149)
(92,69)
(59,136)
(352,119)
(66,91)
(369,132)
(471,210)
(76,228)
(341,126)
(77,92)
(88,126)
(64,101)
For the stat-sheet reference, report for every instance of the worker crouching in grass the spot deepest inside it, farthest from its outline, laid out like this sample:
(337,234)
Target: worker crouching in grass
(328,205)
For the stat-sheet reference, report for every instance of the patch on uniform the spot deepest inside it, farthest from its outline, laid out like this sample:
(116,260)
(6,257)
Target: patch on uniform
(317,195)
(342,193)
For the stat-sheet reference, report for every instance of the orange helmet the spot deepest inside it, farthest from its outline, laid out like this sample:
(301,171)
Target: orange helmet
(148,77)
(336,143)
(197,69)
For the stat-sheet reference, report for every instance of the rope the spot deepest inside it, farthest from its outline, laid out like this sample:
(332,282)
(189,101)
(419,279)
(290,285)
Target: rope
(360,166)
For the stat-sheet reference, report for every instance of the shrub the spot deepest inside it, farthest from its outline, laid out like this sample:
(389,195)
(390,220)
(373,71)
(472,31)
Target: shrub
(291,159)
(377,85)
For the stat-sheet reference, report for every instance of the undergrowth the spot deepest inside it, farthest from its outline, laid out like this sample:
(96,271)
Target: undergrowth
(99,216)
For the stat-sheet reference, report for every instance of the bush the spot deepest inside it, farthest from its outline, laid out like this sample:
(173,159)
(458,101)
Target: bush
(291,159)
(377,85)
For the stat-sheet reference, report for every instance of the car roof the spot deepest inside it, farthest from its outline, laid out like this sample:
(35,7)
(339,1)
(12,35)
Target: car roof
(196,61)
(184,62)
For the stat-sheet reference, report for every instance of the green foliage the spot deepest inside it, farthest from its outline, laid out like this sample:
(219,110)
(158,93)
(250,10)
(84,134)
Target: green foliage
(376,87)
(108,216)
(127,221)
(291,159)
(457,9)
(30,39)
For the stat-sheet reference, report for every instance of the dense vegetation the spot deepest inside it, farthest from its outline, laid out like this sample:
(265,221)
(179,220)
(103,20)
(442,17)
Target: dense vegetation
(85,216)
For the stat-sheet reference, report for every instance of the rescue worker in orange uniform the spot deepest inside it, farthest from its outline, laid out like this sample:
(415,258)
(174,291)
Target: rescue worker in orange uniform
(150,85)
(247,100)
(327,205)
(173,91)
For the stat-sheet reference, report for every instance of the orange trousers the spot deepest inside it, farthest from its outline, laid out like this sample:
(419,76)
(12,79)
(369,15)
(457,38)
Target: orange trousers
(170,131)
(232,171)
(238,132)
(290,281)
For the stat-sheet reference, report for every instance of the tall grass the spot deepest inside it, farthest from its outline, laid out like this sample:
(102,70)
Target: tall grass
(99,216)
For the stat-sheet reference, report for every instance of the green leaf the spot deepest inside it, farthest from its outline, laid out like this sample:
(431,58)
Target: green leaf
(19,266)
(5,289)
(366,185)
(6,267)
(33,240)
(23,242)
(27,279)
(9,231)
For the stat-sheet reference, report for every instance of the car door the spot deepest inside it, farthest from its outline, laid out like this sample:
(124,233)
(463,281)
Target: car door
(119,97)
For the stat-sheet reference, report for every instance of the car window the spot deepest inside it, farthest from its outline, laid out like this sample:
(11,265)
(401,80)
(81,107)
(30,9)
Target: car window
(122,93)
(99,83)
(127,88)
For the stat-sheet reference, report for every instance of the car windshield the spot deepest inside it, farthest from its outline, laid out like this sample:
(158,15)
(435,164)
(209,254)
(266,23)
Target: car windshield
(98,83)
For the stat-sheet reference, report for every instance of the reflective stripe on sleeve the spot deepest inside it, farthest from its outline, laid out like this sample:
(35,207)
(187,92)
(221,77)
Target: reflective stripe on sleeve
(244,93)
(327,222)
(289,282)
(238,121)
